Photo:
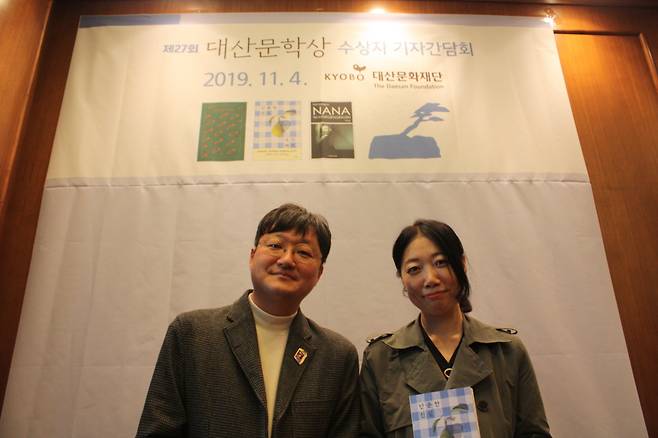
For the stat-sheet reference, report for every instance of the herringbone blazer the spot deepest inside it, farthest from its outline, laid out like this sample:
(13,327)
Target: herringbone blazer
(208,381)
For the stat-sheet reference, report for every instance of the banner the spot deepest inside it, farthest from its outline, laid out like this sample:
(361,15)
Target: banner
(179,132)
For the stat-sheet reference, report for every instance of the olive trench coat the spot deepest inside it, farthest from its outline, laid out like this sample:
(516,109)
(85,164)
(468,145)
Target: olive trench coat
(493,362)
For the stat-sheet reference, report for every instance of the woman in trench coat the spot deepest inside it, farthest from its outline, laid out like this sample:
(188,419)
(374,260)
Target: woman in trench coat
(445,348)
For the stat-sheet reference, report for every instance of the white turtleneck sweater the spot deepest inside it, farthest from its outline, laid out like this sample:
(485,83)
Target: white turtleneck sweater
(272,333)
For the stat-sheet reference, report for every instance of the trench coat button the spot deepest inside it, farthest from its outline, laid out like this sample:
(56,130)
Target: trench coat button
(483,406)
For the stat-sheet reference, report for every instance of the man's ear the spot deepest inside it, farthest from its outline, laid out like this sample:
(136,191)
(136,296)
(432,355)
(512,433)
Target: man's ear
(251,253)
(321,271)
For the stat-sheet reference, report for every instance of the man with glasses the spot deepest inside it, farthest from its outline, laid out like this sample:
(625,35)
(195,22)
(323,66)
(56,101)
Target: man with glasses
(259,368)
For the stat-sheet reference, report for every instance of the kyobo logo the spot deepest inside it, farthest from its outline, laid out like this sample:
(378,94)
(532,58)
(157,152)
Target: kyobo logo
(358,76)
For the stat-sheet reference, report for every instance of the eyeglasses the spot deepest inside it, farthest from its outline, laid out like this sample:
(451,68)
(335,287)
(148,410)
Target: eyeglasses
(301,253)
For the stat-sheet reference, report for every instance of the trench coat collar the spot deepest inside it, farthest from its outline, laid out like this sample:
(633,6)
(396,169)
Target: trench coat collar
(476,331)
(243,341)
(422,372)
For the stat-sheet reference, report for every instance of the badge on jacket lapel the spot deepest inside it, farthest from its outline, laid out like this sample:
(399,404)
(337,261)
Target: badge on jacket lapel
(300,356)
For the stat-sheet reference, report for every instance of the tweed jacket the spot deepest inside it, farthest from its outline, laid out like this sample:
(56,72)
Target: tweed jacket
(494,363)
(208,381)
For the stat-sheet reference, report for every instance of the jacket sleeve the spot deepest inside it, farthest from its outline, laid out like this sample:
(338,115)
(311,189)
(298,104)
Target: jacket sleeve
(530,416)
(164,411)
(371,413)
(345,417)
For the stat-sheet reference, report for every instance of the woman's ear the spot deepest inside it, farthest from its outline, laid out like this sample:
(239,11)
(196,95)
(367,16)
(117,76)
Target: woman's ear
(464,264)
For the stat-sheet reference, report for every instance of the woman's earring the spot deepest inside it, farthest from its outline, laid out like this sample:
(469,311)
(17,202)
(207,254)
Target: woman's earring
(405,292)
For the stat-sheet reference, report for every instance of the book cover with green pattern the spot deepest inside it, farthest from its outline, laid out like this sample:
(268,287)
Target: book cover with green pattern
(222,133)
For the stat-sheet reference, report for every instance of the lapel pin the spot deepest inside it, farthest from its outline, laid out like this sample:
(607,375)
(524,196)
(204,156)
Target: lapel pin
(300,356)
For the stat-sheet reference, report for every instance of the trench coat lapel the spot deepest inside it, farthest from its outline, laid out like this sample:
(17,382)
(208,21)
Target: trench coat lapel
(242,339)
(421,372)
(291,371)
(469,368)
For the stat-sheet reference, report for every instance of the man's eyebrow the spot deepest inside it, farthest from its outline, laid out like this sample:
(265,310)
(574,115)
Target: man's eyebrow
(280,235)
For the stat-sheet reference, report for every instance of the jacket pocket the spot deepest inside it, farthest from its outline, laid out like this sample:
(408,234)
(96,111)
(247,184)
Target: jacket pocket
(397,417)
(311,418)
(403,432)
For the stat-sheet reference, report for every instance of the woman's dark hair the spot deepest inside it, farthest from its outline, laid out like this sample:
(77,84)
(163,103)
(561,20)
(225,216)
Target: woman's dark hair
(445,238)
(293,217)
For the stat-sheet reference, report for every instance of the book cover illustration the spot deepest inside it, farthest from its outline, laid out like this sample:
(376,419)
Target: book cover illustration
(444,414)
(222,132)
(331,130)
(401,145)
(277,130)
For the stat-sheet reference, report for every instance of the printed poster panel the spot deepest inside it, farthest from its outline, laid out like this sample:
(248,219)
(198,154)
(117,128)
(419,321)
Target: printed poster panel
(429,95)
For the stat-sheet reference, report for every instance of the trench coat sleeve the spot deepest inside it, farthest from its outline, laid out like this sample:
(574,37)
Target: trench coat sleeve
(372,424)
(345,418)
(164,412)
(530,416)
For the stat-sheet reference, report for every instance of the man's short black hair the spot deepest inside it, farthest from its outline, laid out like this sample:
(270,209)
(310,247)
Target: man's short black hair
(447,240)
(293,217)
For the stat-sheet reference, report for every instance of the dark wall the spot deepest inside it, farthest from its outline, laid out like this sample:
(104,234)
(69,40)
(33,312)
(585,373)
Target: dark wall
(22,26)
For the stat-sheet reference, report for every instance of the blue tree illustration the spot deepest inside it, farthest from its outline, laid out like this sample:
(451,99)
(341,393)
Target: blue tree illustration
(447,427)
(401,145)
(424,114)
